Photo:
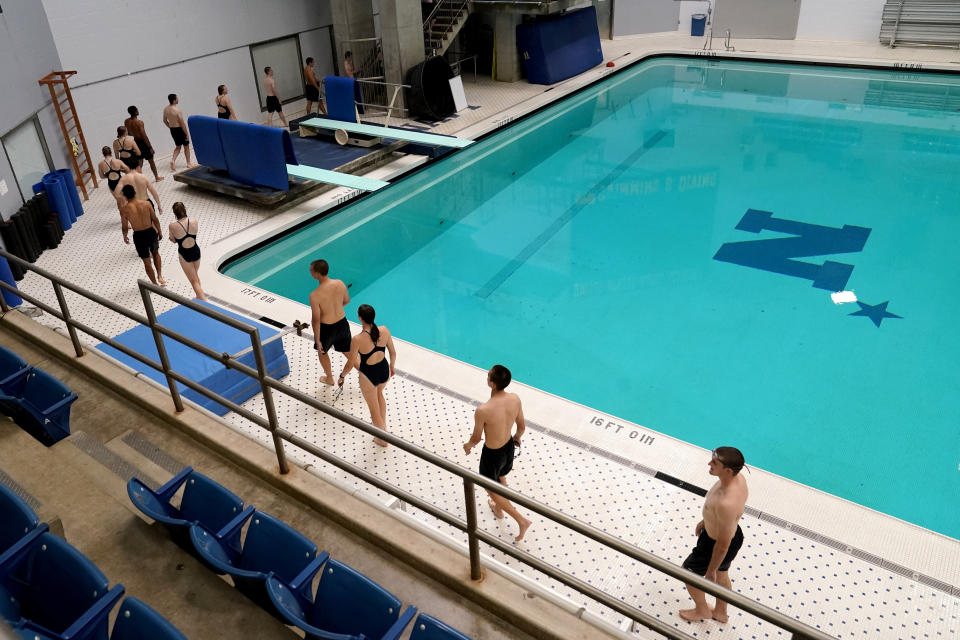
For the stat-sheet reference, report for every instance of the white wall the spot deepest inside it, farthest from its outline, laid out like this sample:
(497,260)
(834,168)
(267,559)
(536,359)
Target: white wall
(319,45)
(643,16)
(819,19)
(840,19)
(27,53)
(130,53)
(687,9)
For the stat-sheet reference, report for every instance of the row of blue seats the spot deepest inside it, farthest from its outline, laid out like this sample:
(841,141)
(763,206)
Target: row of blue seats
(275,566)
(36,401)
(51,591)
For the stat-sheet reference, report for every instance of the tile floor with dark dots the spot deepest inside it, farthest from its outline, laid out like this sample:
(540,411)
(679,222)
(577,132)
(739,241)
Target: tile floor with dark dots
(815,579)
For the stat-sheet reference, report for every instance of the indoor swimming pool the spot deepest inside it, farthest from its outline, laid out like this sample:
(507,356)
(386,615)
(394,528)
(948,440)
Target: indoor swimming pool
(663,247)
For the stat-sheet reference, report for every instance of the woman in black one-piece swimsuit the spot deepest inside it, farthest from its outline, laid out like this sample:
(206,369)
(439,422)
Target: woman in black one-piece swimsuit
(370,346)
(110,171)
(127,150)
(187,247)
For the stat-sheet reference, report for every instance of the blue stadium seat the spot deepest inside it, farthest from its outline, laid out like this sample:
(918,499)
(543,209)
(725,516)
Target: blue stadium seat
(40,404)
(271,548)
(137,621)
(204,502)
(347,606)
(49,588)
(12,368)
(17,519)
(429,628)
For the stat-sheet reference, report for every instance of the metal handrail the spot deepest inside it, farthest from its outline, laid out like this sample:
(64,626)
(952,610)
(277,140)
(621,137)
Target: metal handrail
(440,5)
(798,630)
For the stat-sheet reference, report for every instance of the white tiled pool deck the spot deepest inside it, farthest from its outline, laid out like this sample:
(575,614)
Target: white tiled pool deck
(850,571)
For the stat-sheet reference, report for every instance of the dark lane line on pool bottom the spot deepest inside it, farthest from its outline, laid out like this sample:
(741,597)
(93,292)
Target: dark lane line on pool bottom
(510,268)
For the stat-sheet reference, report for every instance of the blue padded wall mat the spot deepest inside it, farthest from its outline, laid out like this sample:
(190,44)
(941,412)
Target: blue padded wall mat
(340,93)
(256,153)
(560,48)
(205,371)
(205,136)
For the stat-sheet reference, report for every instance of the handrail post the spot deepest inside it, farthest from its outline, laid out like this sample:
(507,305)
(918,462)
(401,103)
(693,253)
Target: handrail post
(472,541)
(161,348)
(57,289)
(268,400)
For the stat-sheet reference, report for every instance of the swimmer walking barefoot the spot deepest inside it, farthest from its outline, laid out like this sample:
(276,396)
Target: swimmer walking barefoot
(173,118)
(330,326)
(719,536)
(493,420)
(138,215)
(369,349)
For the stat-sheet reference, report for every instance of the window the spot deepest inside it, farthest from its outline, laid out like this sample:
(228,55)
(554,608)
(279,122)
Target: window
(27,152)
(283,55)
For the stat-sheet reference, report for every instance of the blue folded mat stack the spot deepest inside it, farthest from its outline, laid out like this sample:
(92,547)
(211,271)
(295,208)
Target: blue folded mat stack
(207,372)
(252,154)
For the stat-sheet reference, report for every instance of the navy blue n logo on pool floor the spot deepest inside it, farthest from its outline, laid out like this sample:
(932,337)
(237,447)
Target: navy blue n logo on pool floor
(777,254)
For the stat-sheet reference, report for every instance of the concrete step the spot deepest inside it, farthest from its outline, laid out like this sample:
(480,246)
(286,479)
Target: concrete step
(86,481)
(16,478)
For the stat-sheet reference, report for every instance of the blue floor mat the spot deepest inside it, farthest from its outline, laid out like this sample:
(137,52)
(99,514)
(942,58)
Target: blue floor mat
(205,371)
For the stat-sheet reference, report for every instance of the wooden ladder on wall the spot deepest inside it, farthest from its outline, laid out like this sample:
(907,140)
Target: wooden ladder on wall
(56,82)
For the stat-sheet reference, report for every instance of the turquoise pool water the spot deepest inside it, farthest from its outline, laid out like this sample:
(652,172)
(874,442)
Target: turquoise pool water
(613,249)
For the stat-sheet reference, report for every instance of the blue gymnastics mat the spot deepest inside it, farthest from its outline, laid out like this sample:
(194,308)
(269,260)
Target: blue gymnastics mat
(205,371)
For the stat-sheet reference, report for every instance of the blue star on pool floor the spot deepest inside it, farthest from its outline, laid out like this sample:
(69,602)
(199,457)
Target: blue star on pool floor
(876,312)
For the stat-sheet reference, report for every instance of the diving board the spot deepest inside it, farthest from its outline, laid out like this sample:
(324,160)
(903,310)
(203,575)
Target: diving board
(335,177)
(387,132)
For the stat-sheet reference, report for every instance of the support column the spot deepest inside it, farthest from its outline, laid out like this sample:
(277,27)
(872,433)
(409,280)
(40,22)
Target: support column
(505,34)
(401,31)
(352,19)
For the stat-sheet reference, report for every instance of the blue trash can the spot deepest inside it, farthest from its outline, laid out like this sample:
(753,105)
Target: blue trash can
(698,23)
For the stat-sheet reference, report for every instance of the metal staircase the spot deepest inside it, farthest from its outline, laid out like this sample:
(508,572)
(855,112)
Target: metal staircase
(56,82)
(441,26)
(931,23)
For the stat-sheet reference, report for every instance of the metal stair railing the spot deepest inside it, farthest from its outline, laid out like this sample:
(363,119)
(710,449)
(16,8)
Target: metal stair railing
(434,38)
(796,629)
(930,23)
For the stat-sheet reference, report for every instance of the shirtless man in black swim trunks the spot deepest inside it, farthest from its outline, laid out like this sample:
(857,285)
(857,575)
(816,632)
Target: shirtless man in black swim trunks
(719,537)
(141,217)
(273,98)
(141,185)
(494,421)
(312,87)
(173,118)
(330,326)
(136,129)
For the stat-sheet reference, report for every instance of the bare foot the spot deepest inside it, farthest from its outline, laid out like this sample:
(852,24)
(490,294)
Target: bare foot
(172,168)
(326,380)
(159,179)
(695,615)
(497,511)
(524,525)
(161,281)
(382,443)
(192,165)
(720,617)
